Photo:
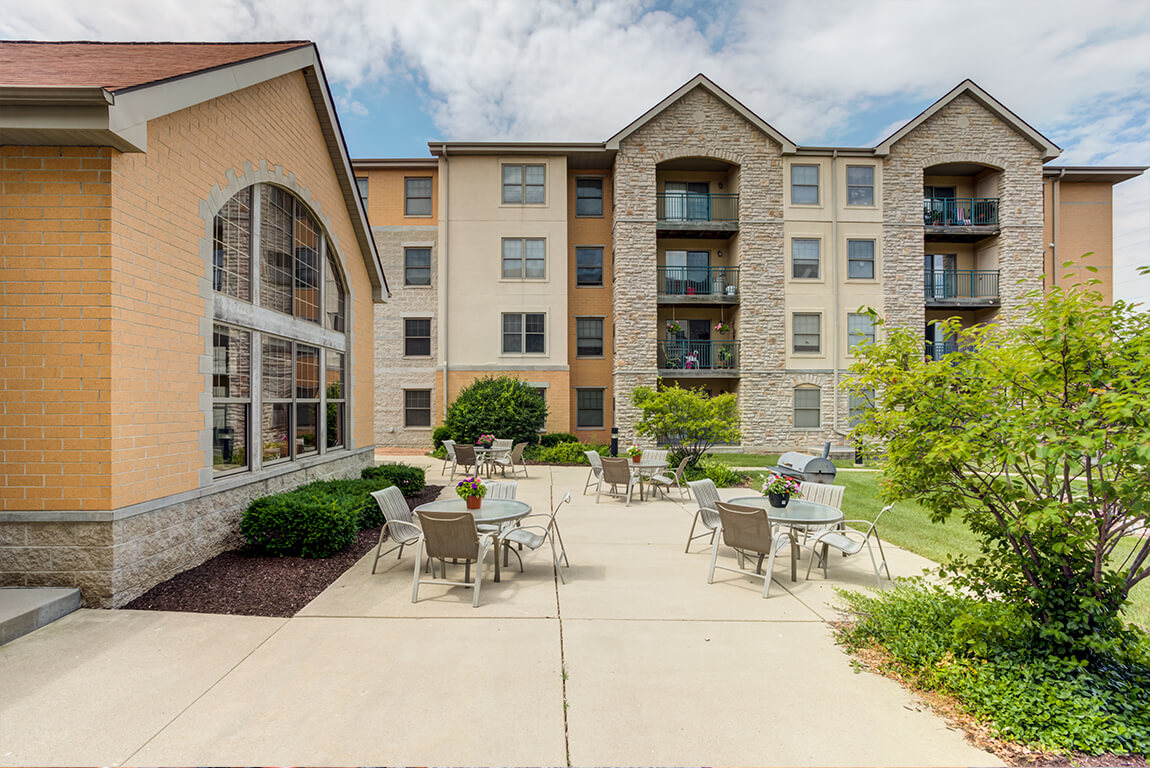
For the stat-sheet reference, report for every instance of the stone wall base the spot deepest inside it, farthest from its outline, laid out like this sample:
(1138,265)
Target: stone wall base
(115,561)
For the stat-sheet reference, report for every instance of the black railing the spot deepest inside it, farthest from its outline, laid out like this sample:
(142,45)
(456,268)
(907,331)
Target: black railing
(696,206)
(698,355)
(936,350)
(699,281)
(960,211)
(961,283)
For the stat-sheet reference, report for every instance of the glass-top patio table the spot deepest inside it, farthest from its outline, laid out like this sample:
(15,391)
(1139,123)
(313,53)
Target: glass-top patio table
(797,514)
(491,511)
(644,469)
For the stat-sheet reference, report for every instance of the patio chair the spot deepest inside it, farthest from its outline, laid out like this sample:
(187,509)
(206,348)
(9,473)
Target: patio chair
(655,456)
(706,496)
(464,458)
(831,495)
(512,461)
(397,522)
(666,482)
(747,530)
(535,536)
(449,445)
(616,473)
(848,542)
(501,489)
(596,473)
(450,536)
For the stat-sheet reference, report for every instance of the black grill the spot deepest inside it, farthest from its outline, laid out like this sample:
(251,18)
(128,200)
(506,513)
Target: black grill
(807,468)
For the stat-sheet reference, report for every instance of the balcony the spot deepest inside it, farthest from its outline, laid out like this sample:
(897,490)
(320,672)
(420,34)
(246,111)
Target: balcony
(962,219)
(680,358)
(698,285)
(696,215)
(961,288)
(936,350)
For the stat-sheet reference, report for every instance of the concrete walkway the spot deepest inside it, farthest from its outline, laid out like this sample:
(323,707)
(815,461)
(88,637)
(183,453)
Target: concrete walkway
(636,660)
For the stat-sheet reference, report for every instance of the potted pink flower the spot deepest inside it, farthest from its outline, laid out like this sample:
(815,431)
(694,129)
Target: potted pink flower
(779,489)
(485,441)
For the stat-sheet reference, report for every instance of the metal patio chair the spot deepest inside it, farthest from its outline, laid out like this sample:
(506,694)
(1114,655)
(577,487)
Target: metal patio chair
(449,445)
(450,536)
(397,522)
(594,458)
(665,483)
(747,530)
(512,461)
(535,536)
(847,541)
(464,458)
(616,473)
(706,496)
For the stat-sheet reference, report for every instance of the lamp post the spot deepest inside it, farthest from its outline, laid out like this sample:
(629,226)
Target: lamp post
(614,441)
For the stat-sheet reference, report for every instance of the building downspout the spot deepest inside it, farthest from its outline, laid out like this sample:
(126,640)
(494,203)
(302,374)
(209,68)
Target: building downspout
(834,260)
(444,303)
(1055,198)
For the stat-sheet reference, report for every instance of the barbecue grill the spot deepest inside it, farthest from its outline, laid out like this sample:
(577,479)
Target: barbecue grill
(807,468)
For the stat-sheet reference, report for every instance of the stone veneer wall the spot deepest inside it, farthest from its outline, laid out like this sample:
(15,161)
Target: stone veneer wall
(962,131)
(700,125)
(393,372)
(114,561)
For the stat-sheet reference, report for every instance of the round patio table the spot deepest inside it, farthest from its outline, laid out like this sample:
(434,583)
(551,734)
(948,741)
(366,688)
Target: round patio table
(645,469)
(492,511)
(797,514)
(487,455)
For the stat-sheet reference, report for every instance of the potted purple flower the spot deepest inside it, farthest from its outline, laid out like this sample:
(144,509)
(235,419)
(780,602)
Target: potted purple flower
(471,490)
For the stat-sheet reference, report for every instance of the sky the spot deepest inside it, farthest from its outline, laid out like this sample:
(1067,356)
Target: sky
(823,72)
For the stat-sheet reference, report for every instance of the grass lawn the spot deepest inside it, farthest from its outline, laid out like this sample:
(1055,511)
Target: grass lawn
(766,460)
(908,525)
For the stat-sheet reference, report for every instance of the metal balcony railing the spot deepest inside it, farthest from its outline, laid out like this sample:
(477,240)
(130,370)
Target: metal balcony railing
(698,355)
(960,211)
(696,206)
(699,281)
(961,283)
(936,350)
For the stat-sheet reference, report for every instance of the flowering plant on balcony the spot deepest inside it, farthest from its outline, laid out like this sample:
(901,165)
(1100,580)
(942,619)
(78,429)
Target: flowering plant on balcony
(485,440)
(722,328)
(471,487)
(782,485)
(634,450)
(693,359)
(673,326)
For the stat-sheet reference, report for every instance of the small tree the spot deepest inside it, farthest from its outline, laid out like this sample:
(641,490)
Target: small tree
(499,405)
(1039,437)
(687,420)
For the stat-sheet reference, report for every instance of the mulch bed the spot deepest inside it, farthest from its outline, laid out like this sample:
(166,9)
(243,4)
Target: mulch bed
(243,582)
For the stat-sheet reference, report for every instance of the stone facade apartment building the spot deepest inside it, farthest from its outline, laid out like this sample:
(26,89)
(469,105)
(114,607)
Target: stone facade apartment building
(187,302)
(700,246)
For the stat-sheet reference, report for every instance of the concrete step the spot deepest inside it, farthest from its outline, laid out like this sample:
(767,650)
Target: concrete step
(24,609)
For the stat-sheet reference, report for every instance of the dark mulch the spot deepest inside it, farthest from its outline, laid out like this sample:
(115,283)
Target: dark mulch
(242,582)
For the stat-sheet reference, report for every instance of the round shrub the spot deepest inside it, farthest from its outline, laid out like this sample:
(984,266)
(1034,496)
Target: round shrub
(439,434)
(720,474)
(409,479)
(569,453)
(554,438)
(304,522)
(499,405)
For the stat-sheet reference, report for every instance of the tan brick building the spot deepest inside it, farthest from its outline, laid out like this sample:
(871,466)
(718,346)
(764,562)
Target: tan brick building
(187,303)
(700,246)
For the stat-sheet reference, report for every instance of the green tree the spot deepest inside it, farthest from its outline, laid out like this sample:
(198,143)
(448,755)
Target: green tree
(688,421)
(499,405)
(1038,436)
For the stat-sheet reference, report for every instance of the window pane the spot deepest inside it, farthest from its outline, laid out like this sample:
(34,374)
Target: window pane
(860,259)
(860,196)
(512,333)
(335,424)
(229,436)
(417,197)
(534,195)
(860,403)
(535,174)
(306,265)
(807,406)
(232,248)
(534,323)
(589,336)
(536,253)
(513,174)
(512,258)
(860,175)
(306,372)
(276,368)
(513,193)
(589,408)
(417,408)
(805,259)
(333,376)
(274,430)
(335,297)
(417,266)
(806,333)
(276,250)
(588,197)
(805,174)
(306,429)
(535,339)
(860,329)
(588,266)
(362,185)
(232,353)
(417,337)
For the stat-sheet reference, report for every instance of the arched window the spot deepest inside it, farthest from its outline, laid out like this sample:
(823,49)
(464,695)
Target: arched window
(272,259)
(808,406)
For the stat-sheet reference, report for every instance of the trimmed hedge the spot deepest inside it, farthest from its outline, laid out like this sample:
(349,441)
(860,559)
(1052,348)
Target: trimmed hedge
(411,480)
(554,438)
(720,474)
(438,435)
(565,453)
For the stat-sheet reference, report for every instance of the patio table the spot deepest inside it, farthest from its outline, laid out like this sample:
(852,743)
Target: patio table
(487,456)
(797,514)
(645,469)
(493,511)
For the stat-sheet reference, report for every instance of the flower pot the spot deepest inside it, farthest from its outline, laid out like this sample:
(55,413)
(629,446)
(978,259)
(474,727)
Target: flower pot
(473,502)
(635,459)
(778,500)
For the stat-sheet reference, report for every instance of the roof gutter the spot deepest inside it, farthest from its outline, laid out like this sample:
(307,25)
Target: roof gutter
(55,96)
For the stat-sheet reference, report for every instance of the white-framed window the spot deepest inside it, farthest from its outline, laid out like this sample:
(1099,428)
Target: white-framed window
(589,266)
(860,330)
(417,196)
(806,332)
(589,337)
(524,184)
(589,196)
(860,185)
(807,406)
(417,407)
(524,333)
(805,258)
(589,408)
(860,259)
(270,250)
(524,258)
(417,266)
(804,185)
(417,337)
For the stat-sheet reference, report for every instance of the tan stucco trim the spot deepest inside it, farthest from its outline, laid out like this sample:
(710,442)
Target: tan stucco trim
(1050,150)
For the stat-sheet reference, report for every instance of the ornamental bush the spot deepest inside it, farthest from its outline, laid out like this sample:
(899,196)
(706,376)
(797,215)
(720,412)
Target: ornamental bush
(439,434)
(720,474)
(555,438)
(411,480)
(687,421)
(569,453)
(501,405)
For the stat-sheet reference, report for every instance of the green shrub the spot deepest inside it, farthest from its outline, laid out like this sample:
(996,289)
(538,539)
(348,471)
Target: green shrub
(983,653)
(500,405)
(554,438)
(409,479)
(439,434)
(569,453)
(720,474)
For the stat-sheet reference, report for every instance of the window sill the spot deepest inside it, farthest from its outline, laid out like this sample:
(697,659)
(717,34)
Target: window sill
(590,285)
(418,429)
(590,357)
(417,357)
(807,354)
(590,216)
(420,286)
(863,280)
(812,206)
(418,216)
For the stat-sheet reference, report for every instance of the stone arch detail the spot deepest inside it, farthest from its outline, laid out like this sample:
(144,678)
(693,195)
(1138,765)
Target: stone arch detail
(700,150)
(993,162)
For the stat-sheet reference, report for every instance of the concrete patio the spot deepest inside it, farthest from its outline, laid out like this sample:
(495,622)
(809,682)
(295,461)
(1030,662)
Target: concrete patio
(636,660)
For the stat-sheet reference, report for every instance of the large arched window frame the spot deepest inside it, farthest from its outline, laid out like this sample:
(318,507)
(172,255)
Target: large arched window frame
(279,334)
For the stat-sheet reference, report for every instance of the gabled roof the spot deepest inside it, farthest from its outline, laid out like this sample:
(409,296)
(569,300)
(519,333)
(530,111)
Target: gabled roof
(104,94)
(120,66)
(701,81)
(1050,150)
